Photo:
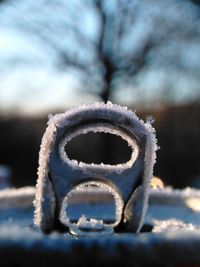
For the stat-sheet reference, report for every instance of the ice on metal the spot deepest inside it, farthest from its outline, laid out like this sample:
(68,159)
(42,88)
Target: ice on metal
(91,224)
(173,225)
(113,117)
(64,218)
(91,227)
(106,128)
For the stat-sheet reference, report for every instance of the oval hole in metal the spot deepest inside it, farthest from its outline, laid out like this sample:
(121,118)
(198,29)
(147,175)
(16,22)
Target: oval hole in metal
(99,148)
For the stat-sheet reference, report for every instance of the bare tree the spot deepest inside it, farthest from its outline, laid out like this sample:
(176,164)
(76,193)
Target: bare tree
(109,44)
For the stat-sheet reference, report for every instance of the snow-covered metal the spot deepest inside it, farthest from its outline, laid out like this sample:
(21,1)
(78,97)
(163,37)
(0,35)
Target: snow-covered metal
(58,175)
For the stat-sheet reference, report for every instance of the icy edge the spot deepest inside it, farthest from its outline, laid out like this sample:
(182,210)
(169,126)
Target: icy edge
(61,120)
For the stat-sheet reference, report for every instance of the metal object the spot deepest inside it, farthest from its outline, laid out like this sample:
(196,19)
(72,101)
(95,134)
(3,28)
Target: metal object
(128,182)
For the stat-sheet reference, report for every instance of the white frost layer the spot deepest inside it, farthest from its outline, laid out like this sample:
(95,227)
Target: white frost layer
(64,218)
(164,213)
(173,225)
(149,161)
(174,209)
(25,195)
(106,128)
(169,191)
(83,223)
(63,119)
(13,198)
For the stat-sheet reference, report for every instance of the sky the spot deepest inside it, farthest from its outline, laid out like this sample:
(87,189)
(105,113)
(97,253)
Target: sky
(35,86)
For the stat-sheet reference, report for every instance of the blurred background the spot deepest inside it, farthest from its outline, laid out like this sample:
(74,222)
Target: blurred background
(141,53)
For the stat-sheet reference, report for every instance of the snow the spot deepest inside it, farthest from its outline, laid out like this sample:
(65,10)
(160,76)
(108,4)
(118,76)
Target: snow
(176,232)
(167,207)
(174,225)
(13,198)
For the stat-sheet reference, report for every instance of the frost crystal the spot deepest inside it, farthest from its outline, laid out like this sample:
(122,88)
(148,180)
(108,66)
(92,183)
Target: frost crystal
(91,224)
(150,119)
(87,187)
(98,117)
(106,128)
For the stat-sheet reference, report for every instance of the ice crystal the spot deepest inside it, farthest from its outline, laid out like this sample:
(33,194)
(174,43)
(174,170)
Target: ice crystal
(65,120)
(87,186)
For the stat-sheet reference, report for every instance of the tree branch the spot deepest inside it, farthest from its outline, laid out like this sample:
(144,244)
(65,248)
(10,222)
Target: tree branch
(103,57)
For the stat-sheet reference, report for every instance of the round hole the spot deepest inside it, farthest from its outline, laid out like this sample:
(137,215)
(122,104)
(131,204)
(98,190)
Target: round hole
(93,201)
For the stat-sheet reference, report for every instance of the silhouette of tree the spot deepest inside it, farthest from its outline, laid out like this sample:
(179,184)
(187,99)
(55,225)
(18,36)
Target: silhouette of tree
(109,45)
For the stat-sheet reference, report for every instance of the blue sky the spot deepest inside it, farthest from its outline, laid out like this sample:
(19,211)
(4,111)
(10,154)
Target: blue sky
(34,88)
(34,85)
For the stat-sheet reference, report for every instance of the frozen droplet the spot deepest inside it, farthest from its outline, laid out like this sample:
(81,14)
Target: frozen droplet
(50,116)
(150,119)
(90,225)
